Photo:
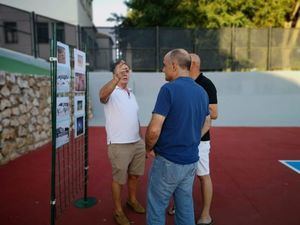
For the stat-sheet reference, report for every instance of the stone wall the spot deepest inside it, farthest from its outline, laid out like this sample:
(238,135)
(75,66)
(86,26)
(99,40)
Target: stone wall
(25,114)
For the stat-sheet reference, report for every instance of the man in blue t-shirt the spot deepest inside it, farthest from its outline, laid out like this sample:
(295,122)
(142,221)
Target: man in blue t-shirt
(180,117)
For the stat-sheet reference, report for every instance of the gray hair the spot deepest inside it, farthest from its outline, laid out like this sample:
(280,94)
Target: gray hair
(182,58)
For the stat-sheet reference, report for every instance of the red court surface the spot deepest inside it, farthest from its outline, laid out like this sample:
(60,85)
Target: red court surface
(250,186)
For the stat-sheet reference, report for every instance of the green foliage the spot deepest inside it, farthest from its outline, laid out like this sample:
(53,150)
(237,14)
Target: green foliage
(145,13)
(209,13)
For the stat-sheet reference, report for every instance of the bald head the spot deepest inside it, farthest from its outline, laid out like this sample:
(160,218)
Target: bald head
(196,59)
(177,63)
(181,57)
(195,65)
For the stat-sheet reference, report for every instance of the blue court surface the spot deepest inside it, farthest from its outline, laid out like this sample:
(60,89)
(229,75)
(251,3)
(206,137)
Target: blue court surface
(292,164)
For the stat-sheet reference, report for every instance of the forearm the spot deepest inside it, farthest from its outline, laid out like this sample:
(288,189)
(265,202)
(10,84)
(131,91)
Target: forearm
(140,130)
(153,131)
(107,89)
(213,111)
(150,139)
(206,125)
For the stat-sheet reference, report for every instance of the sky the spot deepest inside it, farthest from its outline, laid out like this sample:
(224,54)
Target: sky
(103,8)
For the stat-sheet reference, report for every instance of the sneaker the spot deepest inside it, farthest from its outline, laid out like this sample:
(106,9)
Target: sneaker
(121,219)
(171,211)
(137,207)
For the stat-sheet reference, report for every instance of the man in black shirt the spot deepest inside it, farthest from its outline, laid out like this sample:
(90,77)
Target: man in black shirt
(204,147)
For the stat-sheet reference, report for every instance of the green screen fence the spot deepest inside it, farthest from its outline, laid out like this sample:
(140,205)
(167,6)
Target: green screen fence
(69,170)
(224,49)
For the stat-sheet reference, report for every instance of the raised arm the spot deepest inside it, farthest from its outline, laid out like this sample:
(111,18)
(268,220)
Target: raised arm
(109,87)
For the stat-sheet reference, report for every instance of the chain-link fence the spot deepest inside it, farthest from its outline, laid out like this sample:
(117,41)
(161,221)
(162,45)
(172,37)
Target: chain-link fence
(225,49)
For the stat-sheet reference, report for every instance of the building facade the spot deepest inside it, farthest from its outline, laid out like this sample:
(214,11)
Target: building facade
(25,26)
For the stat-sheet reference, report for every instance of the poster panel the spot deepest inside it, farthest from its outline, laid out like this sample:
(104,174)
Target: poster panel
(79,105)
(79,61)
(62,108)
(63,55)
(63,79)
(79,71)
(79,125)
(62,132)
(79,82)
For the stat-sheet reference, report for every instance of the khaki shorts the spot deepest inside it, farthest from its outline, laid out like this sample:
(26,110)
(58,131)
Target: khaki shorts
(127,159)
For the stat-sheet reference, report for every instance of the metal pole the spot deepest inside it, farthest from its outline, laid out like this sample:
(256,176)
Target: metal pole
(53,72)
(249,44)
(232,49)
(118,50)
(157,48)
(269,48)
(78,36)
(86,146)
(34,34)
(194,32)
(86,202)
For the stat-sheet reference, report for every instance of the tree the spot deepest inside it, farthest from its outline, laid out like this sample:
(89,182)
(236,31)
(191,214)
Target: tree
(145,13)
(212,13)
(114,17)
(215,14)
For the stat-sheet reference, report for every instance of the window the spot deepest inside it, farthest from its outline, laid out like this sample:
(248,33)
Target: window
(10,32)
(43,32)
(60,32)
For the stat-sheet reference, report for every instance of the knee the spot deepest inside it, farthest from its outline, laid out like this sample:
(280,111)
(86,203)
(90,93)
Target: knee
(132,177)
(204,178)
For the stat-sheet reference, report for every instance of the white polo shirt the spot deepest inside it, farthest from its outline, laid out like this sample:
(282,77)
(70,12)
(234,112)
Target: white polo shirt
(121,115)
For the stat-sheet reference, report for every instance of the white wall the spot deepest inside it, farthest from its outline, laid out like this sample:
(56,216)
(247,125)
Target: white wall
(245,99)
(258,98)
(145,87)
(27,59)
(66,10)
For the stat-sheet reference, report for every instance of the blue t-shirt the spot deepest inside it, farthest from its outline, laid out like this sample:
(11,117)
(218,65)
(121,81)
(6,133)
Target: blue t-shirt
(184,104)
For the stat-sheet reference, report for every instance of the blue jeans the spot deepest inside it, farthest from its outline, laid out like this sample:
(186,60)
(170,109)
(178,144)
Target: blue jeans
(166,179)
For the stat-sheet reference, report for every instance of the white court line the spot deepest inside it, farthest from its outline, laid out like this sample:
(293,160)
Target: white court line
(291,167)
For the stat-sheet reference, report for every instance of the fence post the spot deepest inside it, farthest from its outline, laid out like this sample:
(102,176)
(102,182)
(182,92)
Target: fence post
(118,50)
(34,35)
(157,48)
(53,72)
(232,48)
(269,49)
(78,37)
(194,39)
(249,44)
(86,202)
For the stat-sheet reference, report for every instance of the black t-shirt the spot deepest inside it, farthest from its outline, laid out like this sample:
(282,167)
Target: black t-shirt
(211,91)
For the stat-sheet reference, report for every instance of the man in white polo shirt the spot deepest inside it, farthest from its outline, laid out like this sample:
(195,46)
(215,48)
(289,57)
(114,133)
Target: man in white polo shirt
(126,149)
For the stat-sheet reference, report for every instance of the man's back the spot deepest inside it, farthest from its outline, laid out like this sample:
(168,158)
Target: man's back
(179,102)
(180,115)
